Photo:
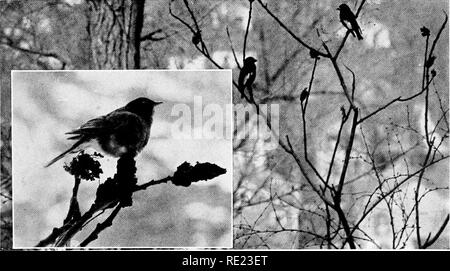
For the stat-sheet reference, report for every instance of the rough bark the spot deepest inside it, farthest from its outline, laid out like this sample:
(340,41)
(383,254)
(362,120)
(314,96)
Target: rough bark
(114,28)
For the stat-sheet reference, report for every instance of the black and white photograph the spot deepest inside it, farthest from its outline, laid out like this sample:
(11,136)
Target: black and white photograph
(122,158)
(258,125)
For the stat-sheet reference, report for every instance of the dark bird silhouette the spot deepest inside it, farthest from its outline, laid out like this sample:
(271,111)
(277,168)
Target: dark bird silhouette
(123,131)
(196,38)
(247,76)
(348,17)
(304,95)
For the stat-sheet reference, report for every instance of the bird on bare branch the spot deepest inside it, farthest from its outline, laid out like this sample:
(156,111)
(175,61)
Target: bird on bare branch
(348,17)
(247,76)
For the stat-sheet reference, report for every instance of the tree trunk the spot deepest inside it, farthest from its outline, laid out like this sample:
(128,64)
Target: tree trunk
(114,28)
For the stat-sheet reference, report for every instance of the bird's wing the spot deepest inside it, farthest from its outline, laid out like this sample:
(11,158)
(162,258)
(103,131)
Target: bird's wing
(123,120)
(246,79)
(126,122)
(242,77)
(91,128)
(95,126)
(348,26)
(356,28)
(129,129)
(250,79)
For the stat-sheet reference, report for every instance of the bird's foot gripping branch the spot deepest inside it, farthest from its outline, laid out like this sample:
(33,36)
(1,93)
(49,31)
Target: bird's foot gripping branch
(116,192)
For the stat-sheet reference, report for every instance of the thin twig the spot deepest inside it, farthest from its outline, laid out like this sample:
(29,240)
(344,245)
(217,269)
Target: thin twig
(232,49)
(264,6)
(247,30)
(431,241)
(101,226)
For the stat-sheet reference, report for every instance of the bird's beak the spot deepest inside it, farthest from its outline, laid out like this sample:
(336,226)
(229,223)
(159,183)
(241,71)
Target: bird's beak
(156,103)
(337,9)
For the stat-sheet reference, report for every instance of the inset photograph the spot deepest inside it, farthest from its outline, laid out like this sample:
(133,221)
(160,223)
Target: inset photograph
(122,159)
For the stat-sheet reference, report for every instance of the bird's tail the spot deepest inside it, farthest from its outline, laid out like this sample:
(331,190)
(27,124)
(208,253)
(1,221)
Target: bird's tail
(357,30)
(358,34)
(241,90)
(351,31)
(78,143)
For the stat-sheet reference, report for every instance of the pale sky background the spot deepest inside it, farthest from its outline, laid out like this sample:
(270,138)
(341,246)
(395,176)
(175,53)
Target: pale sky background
(46,105)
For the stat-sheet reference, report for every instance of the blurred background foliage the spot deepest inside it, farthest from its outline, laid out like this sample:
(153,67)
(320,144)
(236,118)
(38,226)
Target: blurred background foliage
(388,63)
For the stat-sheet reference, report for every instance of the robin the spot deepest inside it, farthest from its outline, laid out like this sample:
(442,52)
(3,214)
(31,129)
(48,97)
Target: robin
(123,131)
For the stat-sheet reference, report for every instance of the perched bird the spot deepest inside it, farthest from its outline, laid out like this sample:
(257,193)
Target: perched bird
(123,131)
(348,17)
(304,95)
(196,38)
(247,76)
